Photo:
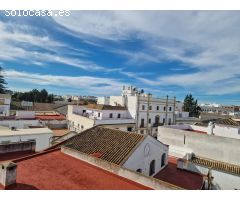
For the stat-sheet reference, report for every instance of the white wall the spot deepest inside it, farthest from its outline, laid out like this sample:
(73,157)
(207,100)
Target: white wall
(141,157)
(124,114)
(221,180)
(131,103)
(19,123)
(4,110)
(204,145)
(117,100)
(231,132)
(103,100)
(25,114)
(42,140)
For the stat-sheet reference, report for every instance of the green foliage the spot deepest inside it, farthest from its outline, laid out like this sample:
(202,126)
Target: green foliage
(34,96)
(191,105)
(2,82)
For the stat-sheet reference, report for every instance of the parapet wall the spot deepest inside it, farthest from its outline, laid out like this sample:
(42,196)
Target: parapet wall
(204,145)
(120,171)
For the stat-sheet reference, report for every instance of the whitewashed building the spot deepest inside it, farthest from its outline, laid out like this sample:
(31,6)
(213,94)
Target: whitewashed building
(14,140)
(149,112)
(83,117)
(214,156)
(5,101)
(139,153)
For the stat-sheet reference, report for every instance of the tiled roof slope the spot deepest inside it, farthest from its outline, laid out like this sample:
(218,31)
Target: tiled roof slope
(115,146)
(228,122)
(218,165)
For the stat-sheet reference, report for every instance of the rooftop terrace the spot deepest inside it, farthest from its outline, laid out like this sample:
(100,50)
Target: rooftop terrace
(57,171)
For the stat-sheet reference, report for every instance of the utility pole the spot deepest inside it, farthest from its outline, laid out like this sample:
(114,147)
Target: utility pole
(166,113)
(148,104)
(174,116)
(137,113)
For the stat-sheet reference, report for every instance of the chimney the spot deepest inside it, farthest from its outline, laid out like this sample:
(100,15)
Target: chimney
(8,174)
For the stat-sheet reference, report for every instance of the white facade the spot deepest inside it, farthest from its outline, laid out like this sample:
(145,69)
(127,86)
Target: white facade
(150,150)
(22,114)
(5,101)
(212,129)
(221,180)
(103,100)
(19,124)
(40,135)
(81,118)
(54,124)
(148,111)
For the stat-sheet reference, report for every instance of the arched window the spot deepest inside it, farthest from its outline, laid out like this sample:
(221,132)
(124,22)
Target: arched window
(152,168)
(110,115)
(119,115)
(163,160)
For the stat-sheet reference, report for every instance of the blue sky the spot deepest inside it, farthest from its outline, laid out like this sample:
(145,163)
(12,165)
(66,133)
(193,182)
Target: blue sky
(96,52)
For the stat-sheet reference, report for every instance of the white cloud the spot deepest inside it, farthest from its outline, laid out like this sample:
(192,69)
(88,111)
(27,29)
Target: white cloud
(13,37)
(93,85)
(208,42)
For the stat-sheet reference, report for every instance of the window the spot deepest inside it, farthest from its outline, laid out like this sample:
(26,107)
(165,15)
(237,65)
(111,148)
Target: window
(170,108)
(99,114)
(129,129)
(157,107)
(163,160)
(149,121)
(139,170)
(157,119)
(119,115)
(163,120)
(164,108)
(150,107)
(152,168)
(142,123)
(143,107)
(110,115)
(169,121)
(142,131)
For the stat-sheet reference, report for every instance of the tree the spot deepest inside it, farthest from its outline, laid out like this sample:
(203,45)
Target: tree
(2,82)
(191,105)
(50,98)
(43,95)
(34,96)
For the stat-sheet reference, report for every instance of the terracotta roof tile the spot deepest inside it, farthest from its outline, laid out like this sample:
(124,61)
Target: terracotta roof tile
(218,165)
(115,145)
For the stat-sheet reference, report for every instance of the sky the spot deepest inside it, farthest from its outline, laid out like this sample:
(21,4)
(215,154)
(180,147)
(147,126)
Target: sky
(97,52)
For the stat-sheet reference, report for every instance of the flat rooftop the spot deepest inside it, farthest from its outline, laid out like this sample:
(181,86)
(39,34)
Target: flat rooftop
(28,131)
(182,178)
(57,171)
